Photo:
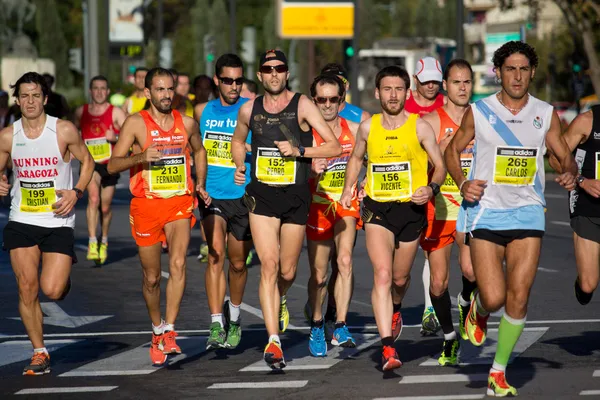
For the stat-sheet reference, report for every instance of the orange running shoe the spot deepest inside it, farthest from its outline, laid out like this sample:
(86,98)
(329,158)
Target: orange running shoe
(476,325)
(390,359)
(169,345)
(273,355)
(39,365)
(396,325)
(156,350)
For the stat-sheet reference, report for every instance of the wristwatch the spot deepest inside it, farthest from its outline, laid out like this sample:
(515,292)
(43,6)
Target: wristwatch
(435,187)
(580,180)
(78,193)
(301,150)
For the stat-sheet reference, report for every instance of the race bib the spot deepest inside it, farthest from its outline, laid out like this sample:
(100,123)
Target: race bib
(168,175)
(100,149)
(332,181)
(37,197)
(515,166)
(218,149)
(273,169)
(449,186)
(597,165)
(391,182)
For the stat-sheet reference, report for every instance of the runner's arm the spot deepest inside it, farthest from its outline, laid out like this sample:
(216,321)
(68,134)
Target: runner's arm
(198,109)
(240,134)
(125,106)
(428,141)
(6,136)
(77,117)
(559,149)
(310,113)
(200,162)
(356,158)
(68,132)
(577,133)
(365,116)
(120,160)
(464,136)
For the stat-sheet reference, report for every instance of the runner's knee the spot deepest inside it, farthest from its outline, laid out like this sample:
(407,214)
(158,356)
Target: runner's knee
(344,263)
(106,208)
(588,284)
(177,267)
(269,269)
(28,290)
(93,200)
(237,266)
(53,290)
(216,257)
(492,301)
(438,285)
(383,278)
(152,281)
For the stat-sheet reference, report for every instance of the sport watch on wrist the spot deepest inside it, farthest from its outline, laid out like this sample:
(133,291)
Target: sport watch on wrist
(580,180)
(78,193)
(435,187)
(301,150)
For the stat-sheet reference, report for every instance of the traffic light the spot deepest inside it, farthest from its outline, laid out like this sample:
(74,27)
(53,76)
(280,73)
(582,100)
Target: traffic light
(349,52)
(209,48)
(132,69)
(75,60)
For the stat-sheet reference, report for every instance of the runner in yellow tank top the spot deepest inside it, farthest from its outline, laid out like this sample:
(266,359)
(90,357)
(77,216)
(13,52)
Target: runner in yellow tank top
(136,102)
(399,145)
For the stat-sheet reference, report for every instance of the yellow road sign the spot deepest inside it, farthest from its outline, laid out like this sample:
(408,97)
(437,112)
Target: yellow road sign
(310,19)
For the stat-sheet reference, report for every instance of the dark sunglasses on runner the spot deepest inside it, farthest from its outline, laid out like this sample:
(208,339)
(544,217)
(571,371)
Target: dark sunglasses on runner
(268,69)
(229,81)
(332,100)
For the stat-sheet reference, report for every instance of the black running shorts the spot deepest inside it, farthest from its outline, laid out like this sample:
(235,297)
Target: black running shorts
(235,214)
(49,240)
(106,179)
(404,220)
(586,227)
(289,203)
(503,238)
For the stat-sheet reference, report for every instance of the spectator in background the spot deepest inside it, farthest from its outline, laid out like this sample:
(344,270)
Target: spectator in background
(56,106)
(180,102)
(183,86)
(3,109)
(249,89)
(204,89)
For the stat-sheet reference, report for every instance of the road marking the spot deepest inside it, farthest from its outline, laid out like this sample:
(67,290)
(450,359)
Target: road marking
(74,389)
(472,355)
(596,374)
(444,378)
(589,393)
(360,303)
(444,397)
(256,312)
(259,385)
(555,196)
(165,274)
(547,270)
(561,223)
(298,357)
(20,350)
(136,361)
(56,316)
(81,247)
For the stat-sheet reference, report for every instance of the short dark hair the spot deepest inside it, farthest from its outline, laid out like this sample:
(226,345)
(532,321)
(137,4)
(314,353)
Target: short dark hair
(201,78)
(513,47)
(251,85)
(459,63)
(327,78)
(157,71)
(140,69)
(336,69)
(173,72)
(228,60)
(49,78)
(31,77)
(393,70)
(183,74)
(98,78)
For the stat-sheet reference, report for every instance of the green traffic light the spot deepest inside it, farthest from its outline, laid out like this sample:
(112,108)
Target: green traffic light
(350,51)
(132,69)
(576,68)
(210,57)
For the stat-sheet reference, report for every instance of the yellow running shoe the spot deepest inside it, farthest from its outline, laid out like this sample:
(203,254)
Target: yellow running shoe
(284,315)
(102,253)
(498,387)
(92,253)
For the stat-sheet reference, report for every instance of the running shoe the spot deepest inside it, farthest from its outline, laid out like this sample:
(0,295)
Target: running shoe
(449,354)
(498,387)
(233,328)
(156,350)
(203,256)
(217,337)
(102,253)
(342,337)
(169,344)
(284,315)
(92,252)
(390,359)
(463,311)
(396,325)
(250,258)
(476,325)
(429,325)
(39,365)
(273,355)
(316,343)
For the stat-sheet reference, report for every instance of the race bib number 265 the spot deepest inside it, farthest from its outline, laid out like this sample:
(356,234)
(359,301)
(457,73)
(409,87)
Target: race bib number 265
(515,166)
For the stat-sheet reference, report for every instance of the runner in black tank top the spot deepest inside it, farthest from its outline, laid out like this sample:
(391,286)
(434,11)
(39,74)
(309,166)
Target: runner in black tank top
(583,138)
(278,197)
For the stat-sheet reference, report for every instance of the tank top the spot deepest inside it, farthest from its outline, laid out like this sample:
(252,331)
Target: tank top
(508,152)
(38,171)
(413,107)
(329,187)
(587,155)
(447,204)
(93,132)
(216,128)
(268,166)
(171,176)
(136,104)
(397,163)
(352,113)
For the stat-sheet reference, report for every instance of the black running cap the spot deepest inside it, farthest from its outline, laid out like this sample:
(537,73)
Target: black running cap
(335,69)
(270,55)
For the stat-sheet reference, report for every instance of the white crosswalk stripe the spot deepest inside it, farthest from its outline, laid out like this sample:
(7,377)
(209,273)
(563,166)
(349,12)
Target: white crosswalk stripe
(20,350)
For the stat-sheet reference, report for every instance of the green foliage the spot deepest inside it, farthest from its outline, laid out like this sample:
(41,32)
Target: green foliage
(200,20)
(219,26)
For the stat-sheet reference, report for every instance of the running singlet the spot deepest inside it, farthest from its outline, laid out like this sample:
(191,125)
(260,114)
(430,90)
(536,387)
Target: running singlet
(216,128)
(587,155)
(171,176)
(38,171)
(448,203)
(413,107)
(508,152)
(268,166)
(93,132)
(329,188)
(351,113)
(136,104)
(397,163)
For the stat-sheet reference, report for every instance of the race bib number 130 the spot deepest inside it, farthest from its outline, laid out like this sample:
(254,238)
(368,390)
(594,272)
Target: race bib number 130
(391,182)
(515,166)
(37,197)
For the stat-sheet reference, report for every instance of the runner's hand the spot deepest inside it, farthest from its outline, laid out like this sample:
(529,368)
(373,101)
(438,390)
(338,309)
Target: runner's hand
(319,165)
(361,191)
(346,199)
(4,186)
(203,195)
(67,201)
(472,190)
(567,180)
(591,186)
(110,134)
(286,149)
(240,175)
(422,195)
(151,153)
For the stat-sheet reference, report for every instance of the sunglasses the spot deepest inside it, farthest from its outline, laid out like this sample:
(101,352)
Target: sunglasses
(230,81)
(268,69)
(324,100)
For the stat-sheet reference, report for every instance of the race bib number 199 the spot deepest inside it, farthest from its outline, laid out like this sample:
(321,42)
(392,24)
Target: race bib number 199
(391,182)
(168,175)
(273,169)
(37,197)
(515,166)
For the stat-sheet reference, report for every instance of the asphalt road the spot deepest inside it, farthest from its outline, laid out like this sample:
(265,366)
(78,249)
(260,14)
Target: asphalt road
(99,335)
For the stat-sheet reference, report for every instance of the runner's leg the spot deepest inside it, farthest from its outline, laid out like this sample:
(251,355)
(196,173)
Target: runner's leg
(178,236)
(25,263)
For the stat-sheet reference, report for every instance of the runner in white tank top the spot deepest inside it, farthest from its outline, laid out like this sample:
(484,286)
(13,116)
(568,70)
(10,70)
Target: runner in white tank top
(504,197)
(42,218)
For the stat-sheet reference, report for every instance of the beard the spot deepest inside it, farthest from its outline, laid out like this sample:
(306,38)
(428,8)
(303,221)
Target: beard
(392,111)
(227,99)
(276,91)
(158,104)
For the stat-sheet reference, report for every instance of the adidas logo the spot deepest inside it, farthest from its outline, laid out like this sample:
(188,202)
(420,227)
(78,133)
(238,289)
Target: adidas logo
(596,135)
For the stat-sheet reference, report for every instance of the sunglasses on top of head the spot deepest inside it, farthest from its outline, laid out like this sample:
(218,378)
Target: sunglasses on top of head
(268,69)
(230,81)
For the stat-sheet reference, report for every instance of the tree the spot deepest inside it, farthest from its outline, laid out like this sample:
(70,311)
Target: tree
(200,21)
(219,26)
(52,42)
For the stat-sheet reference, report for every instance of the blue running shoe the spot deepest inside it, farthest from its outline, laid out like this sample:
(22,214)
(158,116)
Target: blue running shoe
(316,344)
(342,337)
